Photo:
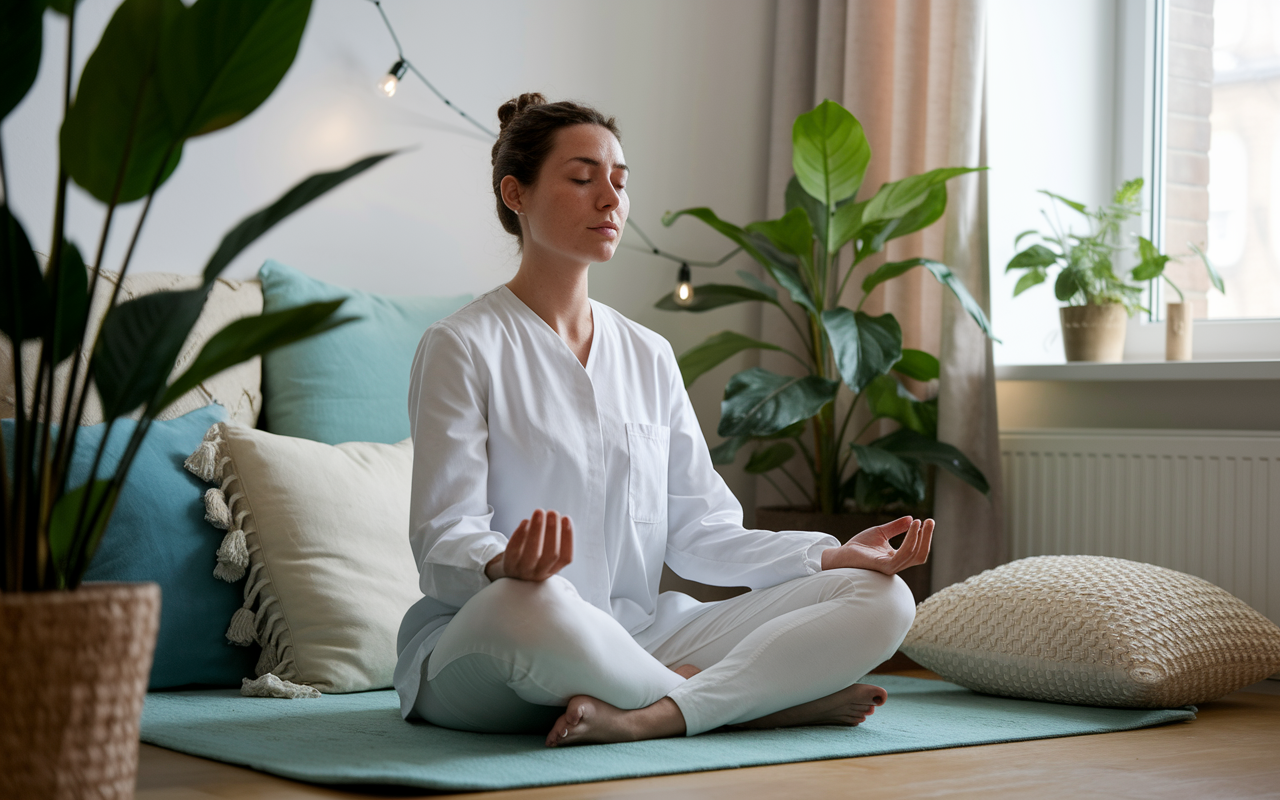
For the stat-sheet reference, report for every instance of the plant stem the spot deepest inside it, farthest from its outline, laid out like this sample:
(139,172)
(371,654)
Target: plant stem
(774,484)
(1181,298)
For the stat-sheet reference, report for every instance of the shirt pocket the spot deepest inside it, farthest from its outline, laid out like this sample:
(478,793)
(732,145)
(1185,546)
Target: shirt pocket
(647,449)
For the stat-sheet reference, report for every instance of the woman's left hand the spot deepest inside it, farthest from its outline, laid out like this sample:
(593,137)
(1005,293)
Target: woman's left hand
(871,549)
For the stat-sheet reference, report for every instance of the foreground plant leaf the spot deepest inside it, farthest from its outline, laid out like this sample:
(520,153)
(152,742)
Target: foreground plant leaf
(714,351)
(864,346)
(21,39)
(758,402)
(715,295)
(24,306)
(829,153)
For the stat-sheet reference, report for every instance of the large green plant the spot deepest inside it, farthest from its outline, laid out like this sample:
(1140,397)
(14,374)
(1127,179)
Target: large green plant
(162,74)
(845,349)
(1086,262)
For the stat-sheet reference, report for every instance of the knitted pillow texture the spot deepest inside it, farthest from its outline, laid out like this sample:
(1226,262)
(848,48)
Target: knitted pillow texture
(322,534)
(1093,631)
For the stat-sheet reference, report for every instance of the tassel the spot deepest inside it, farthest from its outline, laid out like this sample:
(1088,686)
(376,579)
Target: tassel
(273,686)
(204,461)
(267,661)
(241,630)
(233,557)
(216,512)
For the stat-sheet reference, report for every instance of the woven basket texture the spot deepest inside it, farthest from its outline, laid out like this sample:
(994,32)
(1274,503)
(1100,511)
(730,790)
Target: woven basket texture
(73,677)
(1095,631)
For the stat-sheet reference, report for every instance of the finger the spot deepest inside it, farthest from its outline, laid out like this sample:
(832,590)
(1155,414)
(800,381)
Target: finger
(533,545)
(906,552)
(566,544)
(892,529)
(550,545)
(515,545)
(926,540)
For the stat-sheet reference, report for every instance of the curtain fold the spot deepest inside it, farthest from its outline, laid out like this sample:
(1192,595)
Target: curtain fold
(913,73)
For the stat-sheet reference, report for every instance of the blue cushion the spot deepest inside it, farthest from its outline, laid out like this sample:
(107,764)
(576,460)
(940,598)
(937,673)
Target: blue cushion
(350,384)
(158,533)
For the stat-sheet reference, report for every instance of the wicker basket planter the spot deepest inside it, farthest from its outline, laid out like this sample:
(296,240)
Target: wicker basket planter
(73,676)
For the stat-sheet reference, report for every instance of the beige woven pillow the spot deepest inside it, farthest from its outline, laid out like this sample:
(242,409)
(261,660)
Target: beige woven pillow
(322,532)
(1093,631)
(237,389)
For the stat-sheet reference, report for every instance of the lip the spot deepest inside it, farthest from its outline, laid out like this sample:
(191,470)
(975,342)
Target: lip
(606,226)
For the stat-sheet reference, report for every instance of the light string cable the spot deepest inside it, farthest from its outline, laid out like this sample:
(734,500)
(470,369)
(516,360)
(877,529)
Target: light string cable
(403,64)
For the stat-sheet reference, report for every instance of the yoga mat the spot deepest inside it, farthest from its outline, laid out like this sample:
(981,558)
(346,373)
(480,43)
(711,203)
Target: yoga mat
(360,738)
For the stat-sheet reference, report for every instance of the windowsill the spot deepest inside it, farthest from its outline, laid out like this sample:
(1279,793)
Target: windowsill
(1241,370)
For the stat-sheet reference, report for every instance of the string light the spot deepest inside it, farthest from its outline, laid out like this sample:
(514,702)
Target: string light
(403,65)
(684,286)
(392,78)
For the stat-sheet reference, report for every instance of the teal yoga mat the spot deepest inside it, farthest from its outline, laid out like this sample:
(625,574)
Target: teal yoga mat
(360,738)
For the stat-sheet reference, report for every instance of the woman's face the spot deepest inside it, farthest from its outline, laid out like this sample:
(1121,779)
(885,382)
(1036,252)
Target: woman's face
(577,208)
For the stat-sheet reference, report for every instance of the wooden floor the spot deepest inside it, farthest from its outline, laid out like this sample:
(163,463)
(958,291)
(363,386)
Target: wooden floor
(1232,749)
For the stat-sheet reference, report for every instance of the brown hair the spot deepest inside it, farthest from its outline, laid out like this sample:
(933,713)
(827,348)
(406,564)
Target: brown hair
(527,134)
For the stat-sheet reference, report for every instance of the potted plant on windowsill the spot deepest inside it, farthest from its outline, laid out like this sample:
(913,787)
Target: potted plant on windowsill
(1098,301)
(850,362)
(77,657)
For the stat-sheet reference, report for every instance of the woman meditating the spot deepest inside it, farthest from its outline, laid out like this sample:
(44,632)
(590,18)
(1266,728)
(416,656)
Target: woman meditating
(558,464)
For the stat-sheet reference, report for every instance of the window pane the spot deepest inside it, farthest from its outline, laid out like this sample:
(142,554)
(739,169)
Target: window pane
(1244,159)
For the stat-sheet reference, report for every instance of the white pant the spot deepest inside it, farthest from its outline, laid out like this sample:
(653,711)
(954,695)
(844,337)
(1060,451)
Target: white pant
(517,651)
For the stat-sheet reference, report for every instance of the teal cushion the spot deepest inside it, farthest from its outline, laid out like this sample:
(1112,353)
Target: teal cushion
(158,533)
(350,384)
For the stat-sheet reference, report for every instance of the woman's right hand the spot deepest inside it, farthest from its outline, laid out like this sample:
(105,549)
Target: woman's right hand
(540,547)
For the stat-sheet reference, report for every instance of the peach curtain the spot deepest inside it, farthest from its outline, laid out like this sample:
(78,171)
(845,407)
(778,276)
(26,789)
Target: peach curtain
(912,71)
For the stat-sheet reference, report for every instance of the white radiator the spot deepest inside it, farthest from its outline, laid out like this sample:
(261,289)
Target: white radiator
(1202,502)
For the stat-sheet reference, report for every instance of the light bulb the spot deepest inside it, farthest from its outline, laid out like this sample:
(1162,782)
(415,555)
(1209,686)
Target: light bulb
(684,287)
(391,80)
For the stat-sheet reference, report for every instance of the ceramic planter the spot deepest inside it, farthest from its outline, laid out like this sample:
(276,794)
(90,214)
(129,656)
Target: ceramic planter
(73,676)
(1177,332)
(1093,332)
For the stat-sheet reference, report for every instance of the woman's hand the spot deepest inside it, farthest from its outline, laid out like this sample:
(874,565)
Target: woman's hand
(871,549)
(540,547)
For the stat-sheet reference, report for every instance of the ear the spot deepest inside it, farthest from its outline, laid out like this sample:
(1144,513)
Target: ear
(512,193)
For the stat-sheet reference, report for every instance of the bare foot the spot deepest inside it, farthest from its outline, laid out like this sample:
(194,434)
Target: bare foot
(850,706)
(686,671)
(587,720)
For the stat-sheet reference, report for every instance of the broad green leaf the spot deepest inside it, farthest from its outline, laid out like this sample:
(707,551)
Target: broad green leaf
(253,226)
(897,198)
(1151,261)
(1035,256)
(1067,285)
(71,299)
(21,38)
(138,345)
(872,493)
(1214,277)
(758,402)
(716,350)
(117,134)
(875,235)
(917,364)
(944,275)
(715,295)
(864,346)
(252,336)
(792,431)
(1029,279)
(62,526)
(887,398)
(726,451)
(739,236)
(793,233)
(911,445)
(760,286)
(829,153)
(898,472)
(1070,203)
(220,60)
(846,224)
(24,303)
(819,218)
(769,458)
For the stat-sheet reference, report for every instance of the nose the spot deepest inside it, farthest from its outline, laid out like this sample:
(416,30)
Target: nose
(609,198)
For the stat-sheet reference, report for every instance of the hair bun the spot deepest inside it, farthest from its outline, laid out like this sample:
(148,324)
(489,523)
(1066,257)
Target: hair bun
(508,110)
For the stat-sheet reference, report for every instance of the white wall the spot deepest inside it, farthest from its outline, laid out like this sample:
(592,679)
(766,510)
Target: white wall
(1051,83)
(688,81)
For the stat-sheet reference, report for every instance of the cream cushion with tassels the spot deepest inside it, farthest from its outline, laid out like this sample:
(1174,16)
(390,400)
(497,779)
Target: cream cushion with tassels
(1094,631)
(321,532)
(237,389)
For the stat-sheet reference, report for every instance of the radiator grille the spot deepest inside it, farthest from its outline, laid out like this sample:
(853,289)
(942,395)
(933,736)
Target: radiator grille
(1201,502)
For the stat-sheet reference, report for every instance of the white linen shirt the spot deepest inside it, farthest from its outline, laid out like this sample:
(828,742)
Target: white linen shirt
(505,419)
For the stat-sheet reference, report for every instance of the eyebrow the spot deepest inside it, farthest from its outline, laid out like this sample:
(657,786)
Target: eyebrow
(595,163)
